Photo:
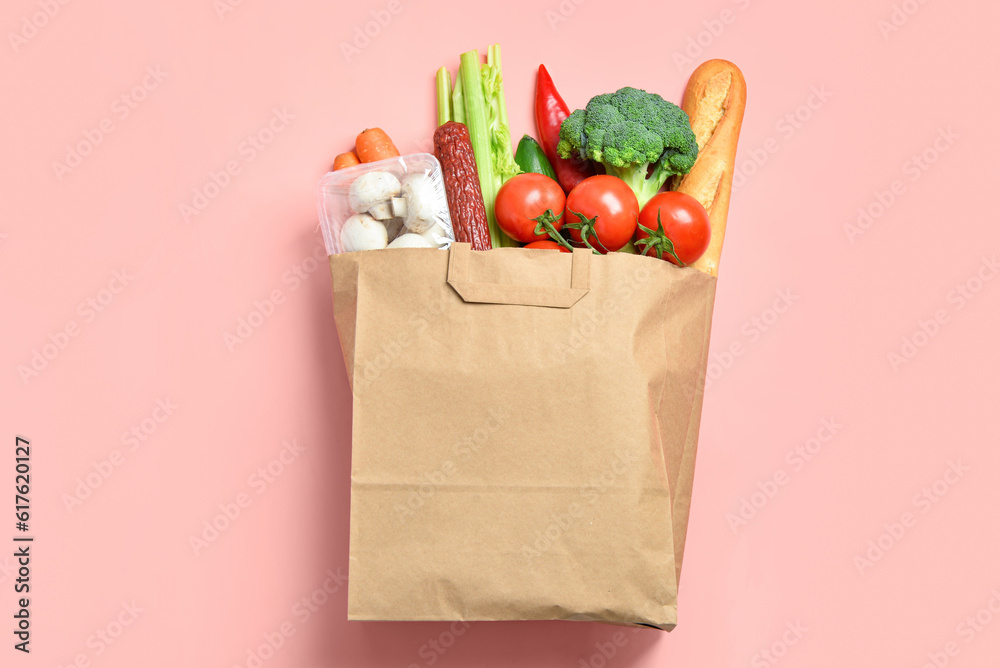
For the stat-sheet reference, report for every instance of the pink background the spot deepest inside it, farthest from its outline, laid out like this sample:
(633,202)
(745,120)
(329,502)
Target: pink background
(187,284)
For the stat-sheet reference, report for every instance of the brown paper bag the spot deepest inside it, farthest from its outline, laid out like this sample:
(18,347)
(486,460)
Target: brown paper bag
(521,420)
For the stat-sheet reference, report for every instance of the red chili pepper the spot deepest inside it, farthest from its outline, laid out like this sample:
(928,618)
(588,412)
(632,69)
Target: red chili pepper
(550,112)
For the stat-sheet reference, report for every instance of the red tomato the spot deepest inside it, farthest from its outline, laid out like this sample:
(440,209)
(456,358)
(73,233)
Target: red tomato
(547,244)
(679,223)
(610,209)
(523,199)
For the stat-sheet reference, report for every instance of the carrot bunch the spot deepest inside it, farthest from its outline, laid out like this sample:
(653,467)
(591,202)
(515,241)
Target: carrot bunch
(371,145)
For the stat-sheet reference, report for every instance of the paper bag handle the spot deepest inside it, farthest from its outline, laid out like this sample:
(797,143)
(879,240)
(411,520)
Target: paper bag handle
(525,295)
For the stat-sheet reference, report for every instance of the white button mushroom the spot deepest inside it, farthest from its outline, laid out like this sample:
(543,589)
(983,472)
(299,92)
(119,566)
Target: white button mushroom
(398,207)
(421,202)
(381,211)
(362,232)
(411,240)
(371,189)
(436,235)
(394,227)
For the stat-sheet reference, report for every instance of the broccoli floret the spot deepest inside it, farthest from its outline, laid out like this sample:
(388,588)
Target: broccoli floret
(628,131)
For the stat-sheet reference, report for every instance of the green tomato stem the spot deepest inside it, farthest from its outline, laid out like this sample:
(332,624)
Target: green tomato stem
(545,225)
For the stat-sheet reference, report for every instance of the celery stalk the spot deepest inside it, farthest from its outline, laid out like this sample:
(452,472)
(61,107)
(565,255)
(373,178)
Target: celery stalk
(504,166)
(477,120)
(458,102)
(494,56)
(444,95)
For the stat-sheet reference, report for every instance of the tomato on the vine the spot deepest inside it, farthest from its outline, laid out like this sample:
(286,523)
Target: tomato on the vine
(601,212)
(548,244)
(677,227)
(525,198)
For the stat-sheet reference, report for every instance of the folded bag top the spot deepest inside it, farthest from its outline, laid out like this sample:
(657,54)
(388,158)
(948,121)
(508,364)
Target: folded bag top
(508,293)
(520,419)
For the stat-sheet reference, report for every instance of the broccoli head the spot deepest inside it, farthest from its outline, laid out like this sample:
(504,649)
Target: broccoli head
(638,136)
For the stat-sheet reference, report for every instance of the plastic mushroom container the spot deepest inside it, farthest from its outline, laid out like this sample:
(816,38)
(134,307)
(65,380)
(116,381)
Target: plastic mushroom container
(394,203)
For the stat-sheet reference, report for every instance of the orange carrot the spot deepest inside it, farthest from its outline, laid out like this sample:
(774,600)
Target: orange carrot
(374,144)
(343,160)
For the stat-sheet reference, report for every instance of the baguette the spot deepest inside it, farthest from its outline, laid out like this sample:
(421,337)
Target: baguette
(714,100)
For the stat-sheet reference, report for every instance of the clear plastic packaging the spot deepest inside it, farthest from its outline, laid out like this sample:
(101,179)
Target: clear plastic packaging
(403,195)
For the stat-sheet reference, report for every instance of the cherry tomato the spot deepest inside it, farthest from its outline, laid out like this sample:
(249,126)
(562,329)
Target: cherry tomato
(523,199)
(609,209)
(547,244)
(680,226)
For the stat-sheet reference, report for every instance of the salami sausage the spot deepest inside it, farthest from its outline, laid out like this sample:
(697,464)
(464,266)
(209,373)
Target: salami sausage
(461,183)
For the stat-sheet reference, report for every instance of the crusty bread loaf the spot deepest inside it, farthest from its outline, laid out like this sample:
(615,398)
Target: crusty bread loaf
(715,99)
